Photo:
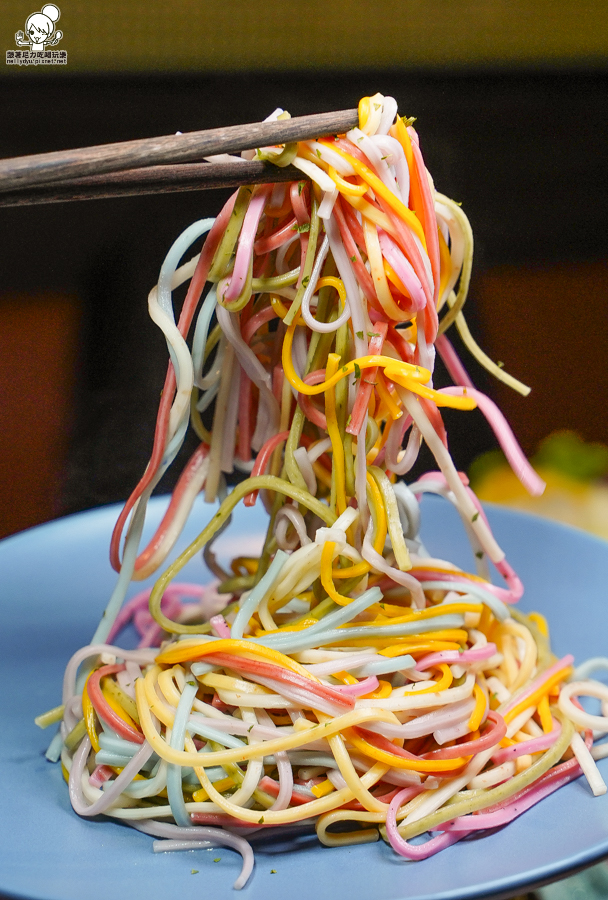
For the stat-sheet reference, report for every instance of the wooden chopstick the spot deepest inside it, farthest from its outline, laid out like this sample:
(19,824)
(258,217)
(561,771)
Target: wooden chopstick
(24,172)
(154,180)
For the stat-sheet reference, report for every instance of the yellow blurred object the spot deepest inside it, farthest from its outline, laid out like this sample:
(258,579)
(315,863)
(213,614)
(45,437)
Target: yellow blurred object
(576,499)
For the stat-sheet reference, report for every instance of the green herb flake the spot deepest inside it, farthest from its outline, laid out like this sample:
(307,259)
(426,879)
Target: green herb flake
(217,859)
(500,364)
(384,157)
(353,258)
(359,335)
(479,554)
(300,187)
(249,729)
(273,871)
(357,371)
(348,421)
(305,280)
(373,334)
(475,517)
(261,820)
(305,226)
(194,871)
(318,153)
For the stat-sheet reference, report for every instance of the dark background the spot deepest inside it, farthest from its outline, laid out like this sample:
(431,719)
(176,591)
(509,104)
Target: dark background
(526,153)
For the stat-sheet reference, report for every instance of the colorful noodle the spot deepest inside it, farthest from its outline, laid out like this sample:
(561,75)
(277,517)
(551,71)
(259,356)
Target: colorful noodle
(345,680)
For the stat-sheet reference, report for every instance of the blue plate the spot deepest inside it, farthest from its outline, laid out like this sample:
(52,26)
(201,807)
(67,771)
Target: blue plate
(54,583)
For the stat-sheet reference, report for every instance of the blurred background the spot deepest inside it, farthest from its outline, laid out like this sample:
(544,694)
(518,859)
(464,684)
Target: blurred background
(511,103)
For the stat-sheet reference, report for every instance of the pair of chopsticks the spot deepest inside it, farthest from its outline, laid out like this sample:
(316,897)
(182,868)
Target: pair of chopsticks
(163,164)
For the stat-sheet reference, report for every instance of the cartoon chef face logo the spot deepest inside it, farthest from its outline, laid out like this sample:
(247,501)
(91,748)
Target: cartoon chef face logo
(40,29)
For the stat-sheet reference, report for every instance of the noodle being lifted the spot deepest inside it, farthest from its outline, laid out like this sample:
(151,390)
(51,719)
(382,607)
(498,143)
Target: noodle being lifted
(349,682)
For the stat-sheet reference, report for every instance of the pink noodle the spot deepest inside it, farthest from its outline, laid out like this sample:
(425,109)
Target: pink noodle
(105,711)
(562,773)
(367,383)
(220,626)
(298,797)
(99,775)
(394,255)
(514,583)
(411,851)
(352,251)
(276,239)
(453,364)
(499,815)
(140,601)
(305,402)
(256,321)
(245,246)
(393,447)
(477,821)
(492,736)
(430,219)
(262,460)
(366,686)
(405,240)
(197,283)
(515,587)
(507,596)
(522,748)
(277,382)
(257,668)
(532,482)
(455,656)
(298,195)
(150,631)
(298,201)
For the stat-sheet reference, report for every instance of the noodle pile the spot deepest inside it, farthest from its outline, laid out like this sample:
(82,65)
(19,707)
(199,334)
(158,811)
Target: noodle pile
(344,680)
